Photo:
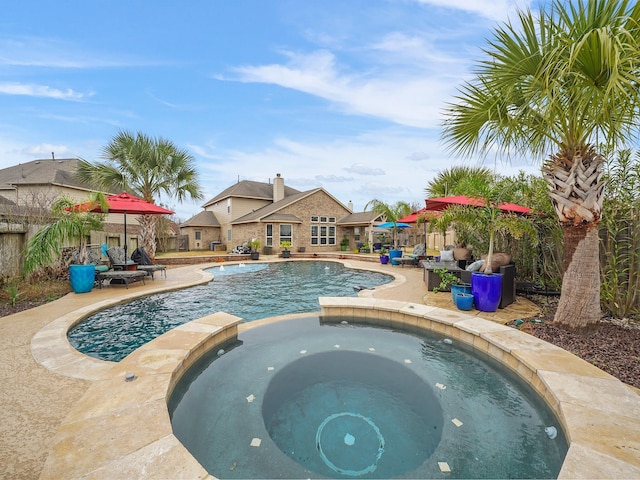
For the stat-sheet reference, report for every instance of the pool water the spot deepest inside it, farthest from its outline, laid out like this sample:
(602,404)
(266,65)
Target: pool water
(250,291)
(312,398)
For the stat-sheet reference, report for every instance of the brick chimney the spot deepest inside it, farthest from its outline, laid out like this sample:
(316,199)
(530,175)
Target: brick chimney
(278,188)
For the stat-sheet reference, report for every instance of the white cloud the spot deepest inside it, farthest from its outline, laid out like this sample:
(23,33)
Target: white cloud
(362,169)
(411,96)
(333,178)
(33,90)
(45,150)
(51,52)
(491,9)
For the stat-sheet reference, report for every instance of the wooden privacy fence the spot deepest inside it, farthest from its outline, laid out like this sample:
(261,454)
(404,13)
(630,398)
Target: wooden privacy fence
(12,242)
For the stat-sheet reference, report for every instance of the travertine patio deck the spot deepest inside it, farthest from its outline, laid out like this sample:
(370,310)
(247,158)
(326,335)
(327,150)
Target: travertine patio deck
(96,424)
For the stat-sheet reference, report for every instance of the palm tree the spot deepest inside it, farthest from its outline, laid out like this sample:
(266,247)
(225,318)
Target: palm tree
(69,225)
(565,81)
(145,167)
(447,182)
(391,213)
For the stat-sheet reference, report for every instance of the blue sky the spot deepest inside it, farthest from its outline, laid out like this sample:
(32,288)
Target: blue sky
(340,94)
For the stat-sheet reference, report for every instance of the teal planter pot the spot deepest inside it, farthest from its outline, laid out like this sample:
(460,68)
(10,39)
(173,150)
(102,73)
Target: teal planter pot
(394,257)
(395,254)
(82,277)
(464,301)
(459,288)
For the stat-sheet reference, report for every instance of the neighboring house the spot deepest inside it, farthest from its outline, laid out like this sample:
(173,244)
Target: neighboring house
(313,219)
(27,191)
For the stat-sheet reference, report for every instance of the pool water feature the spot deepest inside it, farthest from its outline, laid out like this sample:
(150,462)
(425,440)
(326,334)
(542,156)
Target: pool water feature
(250,291)
(308,398)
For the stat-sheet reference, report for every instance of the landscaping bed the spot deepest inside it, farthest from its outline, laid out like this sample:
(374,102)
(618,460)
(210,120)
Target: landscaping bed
(612,346)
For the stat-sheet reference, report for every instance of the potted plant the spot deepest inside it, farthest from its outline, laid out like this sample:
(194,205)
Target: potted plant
(384,256)
(254,245)
(71,224)
(485,215)
(344,243)
(447,279)
(285,245)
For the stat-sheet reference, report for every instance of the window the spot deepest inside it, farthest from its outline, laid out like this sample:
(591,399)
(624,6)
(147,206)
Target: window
(356,234)
(323,234)
(229,235)
(269,239)
(285,233)
(314,218)
(198,234)
(228,205)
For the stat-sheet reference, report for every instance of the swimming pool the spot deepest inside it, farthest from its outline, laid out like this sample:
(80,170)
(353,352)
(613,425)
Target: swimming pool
(250,291)
(311,397)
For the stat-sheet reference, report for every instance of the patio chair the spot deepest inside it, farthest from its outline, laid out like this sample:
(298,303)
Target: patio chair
(144,263)
(414,257)
(93,258)
(118,258)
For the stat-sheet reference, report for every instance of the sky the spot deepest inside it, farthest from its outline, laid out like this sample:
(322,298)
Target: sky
(341,94)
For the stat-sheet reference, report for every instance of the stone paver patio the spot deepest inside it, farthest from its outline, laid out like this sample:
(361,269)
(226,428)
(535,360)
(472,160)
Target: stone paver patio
(47,384)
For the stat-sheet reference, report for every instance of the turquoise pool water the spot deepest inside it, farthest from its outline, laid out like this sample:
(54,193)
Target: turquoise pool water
(250,291)
(319,398)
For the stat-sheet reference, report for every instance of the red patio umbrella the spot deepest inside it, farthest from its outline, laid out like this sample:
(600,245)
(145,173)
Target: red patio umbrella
(412,217)
(443,202)
(124,203)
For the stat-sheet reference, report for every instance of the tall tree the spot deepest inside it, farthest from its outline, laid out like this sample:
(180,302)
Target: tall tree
(145,167)
(447,182)
(567,81)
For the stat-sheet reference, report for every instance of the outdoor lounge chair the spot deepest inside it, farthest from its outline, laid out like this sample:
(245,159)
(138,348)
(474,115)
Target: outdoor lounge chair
(144,263)
(413,258)
(119,261)
(94,259)
(122,276)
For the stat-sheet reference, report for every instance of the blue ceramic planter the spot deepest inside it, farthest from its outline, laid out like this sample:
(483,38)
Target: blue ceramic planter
(464,301)
(487,290)
(459,288)
(82,277)
(384,259)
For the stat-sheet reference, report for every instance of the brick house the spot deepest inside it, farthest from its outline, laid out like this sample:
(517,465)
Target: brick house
(313,220)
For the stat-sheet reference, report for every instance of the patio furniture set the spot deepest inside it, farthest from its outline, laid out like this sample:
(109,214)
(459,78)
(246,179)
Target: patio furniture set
(125,271)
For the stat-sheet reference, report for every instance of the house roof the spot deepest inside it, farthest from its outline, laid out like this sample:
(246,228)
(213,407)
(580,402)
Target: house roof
(205,218)
(269,211)
(250,189)
(43,172)
(359,218)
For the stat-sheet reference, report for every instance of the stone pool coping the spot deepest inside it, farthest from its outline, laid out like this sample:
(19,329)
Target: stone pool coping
(121,429)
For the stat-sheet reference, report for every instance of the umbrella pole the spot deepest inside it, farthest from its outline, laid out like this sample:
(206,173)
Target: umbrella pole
(125,236)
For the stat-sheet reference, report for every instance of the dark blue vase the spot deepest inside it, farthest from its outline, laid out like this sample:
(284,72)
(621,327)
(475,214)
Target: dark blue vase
(487,290)
(82,277)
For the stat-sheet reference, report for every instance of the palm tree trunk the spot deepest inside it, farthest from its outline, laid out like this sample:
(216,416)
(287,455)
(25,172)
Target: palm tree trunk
(576,191)
(579,305)
(148,234)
